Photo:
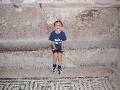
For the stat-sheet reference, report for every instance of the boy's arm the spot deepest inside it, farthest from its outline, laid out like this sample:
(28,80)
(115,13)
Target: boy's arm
(62,47)
(52,44)
(63,40)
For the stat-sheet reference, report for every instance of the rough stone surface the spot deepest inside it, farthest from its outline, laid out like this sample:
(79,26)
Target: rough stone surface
(62,1)
(92,23)
(72,58)
(83,71)
(31,26)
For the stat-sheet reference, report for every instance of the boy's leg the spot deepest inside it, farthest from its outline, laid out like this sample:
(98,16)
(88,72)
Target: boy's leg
(59,62)
(55,59)
(60,55)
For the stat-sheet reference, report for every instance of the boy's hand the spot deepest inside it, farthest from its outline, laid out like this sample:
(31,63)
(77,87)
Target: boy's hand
(53,49)
(62,50)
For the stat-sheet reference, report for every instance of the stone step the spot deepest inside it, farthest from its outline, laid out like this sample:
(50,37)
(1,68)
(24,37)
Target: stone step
(34,44)
(71,58)
(86,71)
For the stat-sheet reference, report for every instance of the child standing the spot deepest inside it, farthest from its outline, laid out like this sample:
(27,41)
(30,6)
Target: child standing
(57,38)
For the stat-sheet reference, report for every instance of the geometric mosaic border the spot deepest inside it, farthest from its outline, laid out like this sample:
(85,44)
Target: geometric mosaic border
(62,83)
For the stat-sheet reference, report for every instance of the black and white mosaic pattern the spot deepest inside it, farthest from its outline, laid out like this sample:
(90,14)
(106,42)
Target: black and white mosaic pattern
(61,83)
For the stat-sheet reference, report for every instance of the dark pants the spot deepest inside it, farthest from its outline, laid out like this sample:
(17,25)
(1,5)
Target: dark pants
(57,51)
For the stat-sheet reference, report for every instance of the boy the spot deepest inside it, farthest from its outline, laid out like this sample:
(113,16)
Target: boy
(57,38)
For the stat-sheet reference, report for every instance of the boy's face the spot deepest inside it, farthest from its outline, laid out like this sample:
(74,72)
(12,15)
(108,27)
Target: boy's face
(58,26)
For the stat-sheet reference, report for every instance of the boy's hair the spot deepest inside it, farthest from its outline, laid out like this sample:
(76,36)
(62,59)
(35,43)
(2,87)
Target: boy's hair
(59,22)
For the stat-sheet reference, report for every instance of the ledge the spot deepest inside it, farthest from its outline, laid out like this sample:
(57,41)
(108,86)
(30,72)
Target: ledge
(39,44)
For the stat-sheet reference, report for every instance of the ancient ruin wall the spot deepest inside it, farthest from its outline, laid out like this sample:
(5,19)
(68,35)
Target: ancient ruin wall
(92,35)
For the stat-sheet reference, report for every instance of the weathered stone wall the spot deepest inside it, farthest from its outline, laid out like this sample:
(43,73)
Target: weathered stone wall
(80,25)
(118,62)
(93,35)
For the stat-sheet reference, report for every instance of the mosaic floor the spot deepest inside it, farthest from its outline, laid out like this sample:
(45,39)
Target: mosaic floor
(61,83)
